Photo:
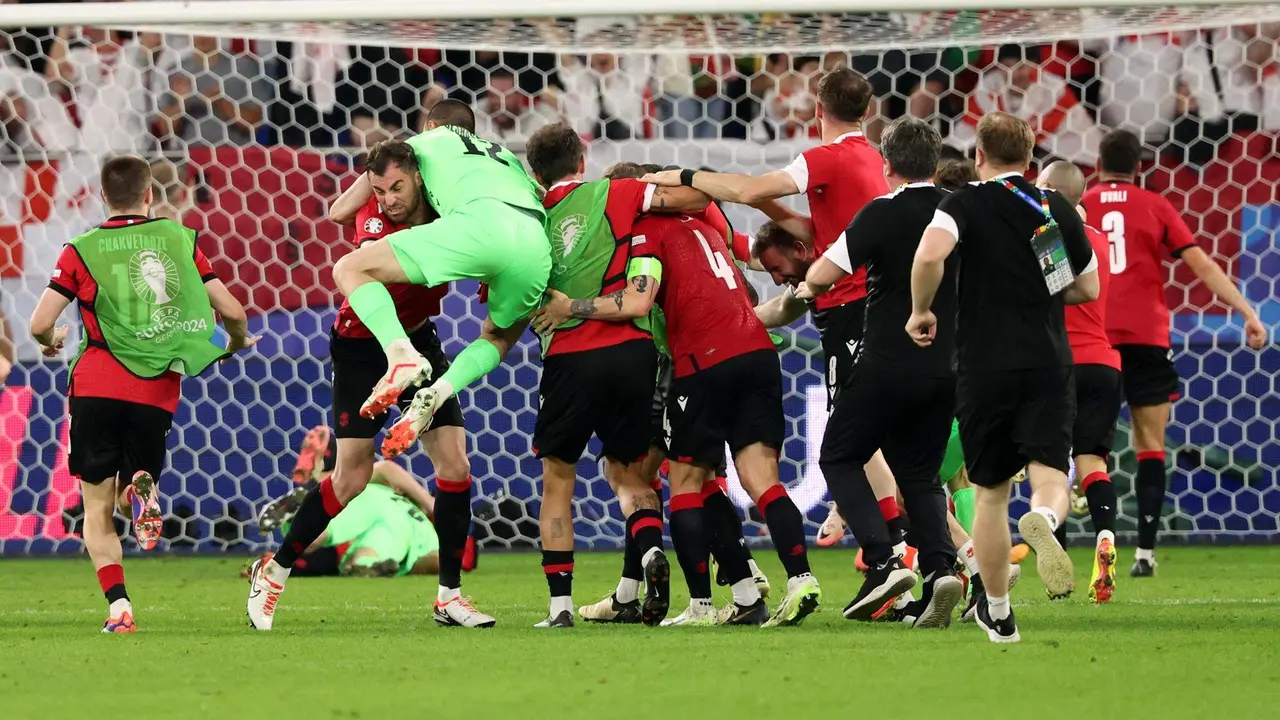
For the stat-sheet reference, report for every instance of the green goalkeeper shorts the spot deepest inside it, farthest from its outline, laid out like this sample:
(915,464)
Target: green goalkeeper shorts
(953,461)
(487,240)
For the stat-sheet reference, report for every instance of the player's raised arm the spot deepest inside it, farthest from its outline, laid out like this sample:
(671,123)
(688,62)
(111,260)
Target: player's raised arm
(343,210)
(730,187)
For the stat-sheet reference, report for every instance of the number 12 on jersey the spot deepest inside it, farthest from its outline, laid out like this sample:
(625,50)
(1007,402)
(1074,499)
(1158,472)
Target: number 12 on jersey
(719,266)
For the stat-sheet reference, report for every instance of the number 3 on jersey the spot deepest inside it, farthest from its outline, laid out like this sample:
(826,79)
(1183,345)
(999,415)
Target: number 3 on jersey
(1113,226)
(719,265)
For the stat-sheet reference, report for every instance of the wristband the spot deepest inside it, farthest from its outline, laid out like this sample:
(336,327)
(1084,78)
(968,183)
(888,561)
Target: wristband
(686,177)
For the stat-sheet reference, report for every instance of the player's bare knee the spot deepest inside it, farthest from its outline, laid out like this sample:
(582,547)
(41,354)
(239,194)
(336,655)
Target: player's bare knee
(451,464)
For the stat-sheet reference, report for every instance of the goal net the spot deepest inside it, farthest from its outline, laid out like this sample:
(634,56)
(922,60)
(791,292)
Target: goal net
(257,114)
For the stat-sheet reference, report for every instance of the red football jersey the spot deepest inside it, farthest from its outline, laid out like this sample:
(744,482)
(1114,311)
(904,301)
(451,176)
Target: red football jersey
(839,179)
(709,316)
(627,199)
(1141,227)
(98,373)
(415,304)
(1087,323)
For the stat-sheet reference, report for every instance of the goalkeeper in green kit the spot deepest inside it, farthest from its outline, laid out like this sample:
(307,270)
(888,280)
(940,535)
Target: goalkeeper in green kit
(490,229)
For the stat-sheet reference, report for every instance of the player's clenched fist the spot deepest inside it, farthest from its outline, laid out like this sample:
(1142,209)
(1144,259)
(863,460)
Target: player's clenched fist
(553,312)
(1255,333)
(922,327)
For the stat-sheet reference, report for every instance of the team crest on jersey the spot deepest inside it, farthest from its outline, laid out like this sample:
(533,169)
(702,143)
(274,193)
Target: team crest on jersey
(373,226)
(154,276)
(567,232)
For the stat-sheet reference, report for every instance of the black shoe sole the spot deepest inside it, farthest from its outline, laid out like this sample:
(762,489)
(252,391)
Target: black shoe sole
(657,592)
(892,587)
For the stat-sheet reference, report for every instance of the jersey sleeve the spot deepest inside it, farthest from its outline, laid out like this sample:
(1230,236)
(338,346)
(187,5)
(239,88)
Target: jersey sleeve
(811,168)
(741,247)
(204,267)
(950,215)
(628,198)
(1177,236)
(1079,249)
(855,244)
(646,256)
(371,223)
(69,273)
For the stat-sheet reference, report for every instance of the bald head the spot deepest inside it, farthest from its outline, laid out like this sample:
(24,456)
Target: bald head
(1064,177)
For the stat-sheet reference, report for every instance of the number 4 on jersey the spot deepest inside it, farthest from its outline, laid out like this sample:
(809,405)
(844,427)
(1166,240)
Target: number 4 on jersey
(719,265)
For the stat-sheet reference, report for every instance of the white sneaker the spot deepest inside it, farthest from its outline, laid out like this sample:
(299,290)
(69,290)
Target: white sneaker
(832,530)
(459,612)
(404,434)
(698,614)
(761,580)
(1052,562)
(405,367)
(264,592)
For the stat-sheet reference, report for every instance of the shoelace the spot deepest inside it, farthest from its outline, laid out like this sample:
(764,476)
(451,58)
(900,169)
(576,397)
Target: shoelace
(465,602)
(273,594)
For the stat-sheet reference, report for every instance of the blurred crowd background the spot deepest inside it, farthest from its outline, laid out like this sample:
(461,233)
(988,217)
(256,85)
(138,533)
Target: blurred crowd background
(103,91)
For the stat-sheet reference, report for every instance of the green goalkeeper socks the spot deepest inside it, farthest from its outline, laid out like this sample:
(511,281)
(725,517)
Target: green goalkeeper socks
(375,308)
(963,500)
(474,362)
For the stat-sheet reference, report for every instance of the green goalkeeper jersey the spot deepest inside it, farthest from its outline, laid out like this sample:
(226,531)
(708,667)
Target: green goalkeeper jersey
(457,167)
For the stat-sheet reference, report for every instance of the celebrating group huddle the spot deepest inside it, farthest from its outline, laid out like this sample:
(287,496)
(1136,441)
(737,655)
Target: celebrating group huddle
(653,341)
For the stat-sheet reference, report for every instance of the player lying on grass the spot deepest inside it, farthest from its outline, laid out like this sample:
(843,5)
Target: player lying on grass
(385,531)
(490,229)
(727,388)
(723,525)
(387,198)
(139,337)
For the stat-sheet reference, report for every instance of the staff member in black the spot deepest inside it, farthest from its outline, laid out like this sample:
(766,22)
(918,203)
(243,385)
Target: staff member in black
(1015,392)
(899,398)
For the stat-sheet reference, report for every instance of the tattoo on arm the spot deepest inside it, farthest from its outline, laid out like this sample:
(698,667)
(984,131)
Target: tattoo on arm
(617,298)
(659,199)
(582,308)
(641,283)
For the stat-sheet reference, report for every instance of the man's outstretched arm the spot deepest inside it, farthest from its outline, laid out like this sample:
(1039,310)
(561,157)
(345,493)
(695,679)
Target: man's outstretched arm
(730,187)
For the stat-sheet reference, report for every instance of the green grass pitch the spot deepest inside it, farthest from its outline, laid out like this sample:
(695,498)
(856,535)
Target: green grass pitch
(1201,640)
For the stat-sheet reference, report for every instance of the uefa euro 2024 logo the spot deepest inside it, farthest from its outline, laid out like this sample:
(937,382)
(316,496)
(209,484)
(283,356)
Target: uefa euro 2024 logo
(566,236)
(154,277)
